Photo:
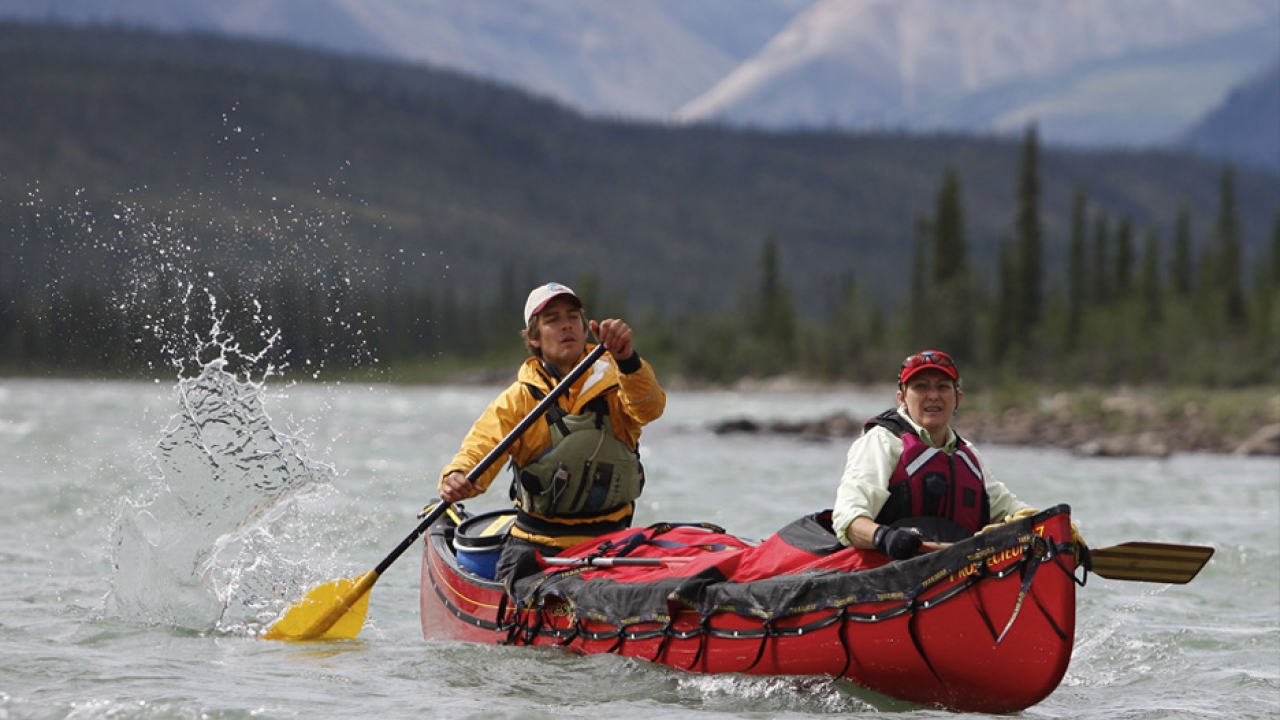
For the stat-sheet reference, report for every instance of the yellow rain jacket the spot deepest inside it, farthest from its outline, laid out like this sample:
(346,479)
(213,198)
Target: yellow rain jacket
(635,399)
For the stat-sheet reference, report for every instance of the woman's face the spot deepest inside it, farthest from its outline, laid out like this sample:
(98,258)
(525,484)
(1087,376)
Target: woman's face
(931,398)
(562,335)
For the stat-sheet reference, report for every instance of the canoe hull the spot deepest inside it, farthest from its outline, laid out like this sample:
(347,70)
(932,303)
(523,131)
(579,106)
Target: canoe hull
(949,647)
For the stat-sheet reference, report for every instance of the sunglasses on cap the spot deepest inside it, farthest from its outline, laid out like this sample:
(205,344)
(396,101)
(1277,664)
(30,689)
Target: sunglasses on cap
(928,359)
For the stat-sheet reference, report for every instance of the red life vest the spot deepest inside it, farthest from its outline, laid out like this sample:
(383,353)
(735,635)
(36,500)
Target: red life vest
(929,482)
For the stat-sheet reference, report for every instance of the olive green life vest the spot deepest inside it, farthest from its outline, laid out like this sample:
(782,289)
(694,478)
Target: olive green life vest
(586,472)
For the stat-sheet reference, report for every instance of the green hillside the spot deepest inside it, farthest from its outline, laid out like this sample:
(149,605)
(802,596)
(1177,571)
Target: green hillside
(131,161)
(469,172)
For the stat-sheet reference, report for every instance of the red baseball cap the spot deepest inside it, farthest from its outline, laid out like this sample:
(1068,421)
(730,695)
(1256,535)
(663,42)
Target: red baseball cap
(926,359)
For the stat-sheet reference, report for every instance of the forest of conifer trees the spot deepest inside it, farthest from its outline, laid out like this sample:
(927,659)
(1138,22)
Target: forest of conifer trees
(1119,311)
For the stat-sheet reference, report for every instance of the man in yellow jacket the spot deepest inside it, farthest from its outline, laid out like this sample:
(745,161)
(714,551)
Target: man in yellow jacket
(578,473)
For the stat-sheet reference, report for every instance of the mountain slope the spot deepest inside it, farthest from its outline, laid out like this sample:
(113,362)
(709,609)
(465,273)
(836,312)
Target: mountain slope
(928,64)
(1140,99)
(633,59)
(257,159)
(1246,128)
(1091,72)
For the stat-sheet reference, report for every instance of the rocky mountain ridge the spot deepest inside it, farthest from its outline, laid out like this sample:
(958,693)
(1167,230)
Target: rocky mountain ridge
(1092,72)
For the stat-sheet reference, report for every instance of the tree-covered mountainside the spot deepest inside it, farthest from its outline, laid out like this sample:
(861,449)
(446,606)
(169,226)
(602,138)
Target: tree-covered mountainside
(148,166)
(477,176)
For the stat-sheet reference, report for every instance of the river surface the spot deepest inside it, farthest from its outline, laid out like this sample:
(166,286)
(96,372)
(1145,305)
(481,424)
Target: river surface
(139,558)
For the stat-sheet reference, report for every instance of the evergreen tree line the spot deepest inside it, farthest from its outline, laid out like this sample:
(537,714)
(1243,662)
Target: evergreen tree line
(1118,311)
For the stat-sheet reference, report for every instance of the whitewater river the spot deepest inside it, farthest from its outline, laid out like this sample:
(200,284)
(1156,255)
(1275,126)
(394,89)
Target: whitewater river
(139,561)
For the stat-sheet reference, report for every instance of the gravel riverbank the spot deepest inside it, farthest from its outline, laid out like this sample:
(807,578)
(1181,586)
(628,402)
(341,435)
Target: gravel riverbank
(1090,422)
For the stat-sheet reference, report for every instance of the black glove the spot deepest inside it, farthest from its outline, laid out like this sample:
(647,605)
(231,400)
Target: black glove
(898,543)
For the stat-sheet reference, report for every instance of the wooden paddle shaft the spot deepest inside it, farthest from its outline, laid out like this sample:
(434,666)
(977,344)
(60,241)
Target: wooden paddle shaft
(498,450)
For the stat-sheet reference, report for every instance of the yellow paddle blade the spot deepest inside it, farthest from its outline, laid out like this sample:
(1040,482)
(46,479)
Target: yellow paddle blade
(334,610)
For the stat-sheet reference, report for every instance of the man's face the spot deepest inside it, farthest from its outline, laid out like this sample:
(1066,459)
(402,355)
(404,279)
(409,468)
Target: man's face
(931,398)
(562,336)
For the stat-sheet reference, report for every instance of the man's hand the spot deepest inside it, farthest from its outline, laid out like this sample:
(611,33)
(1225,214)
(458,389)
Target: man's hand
(455,487)
(615,335)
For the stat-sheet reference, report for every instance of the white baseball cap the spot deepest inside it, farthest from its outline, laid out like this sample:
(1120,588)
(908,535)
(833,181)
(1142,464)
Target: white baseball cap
(542,295)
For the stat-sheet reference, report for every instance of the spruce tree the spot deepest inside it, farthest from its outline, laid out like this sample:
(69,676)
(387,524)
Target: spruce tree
(1149,279)
(1274,272)
(1076,271)
(919,295)
(1265,321)
(951,299)
(843,341)
(1027,239)
(1228,230)
(1099,279)
(775,321)
(1180,271)
(950,256)
(1004,319)
(1124,258)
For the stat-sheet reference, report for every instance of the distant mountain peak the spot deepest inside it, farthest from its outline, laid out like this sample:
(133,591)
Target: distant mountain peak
(1089,72)
(1246,128)
(873,63)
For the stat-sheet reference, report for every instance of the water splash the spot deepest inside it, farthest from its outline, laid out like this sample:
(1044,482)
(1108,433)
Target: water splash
(118,280)
(229,287)
(207,548)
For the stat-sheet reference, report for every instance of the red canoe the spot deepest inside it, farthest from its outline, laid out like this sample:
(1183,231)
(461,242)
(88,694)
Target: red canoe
(986,624)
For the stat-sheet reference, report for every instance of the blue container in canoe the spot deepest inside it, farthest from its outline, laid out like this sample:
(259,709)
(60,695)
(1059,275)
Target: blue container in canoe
(479,540)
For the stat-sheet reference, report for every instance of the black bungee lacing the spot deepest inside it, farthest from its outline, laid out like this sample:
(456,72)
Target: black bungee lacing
(531,622)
